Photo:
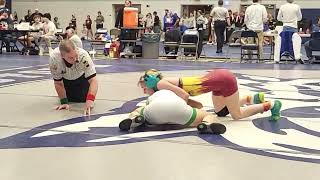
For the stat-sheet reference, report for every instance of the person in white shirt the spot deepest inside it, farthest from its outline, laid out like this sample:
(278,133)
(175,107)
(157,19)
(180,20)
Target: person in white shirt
(74,76)
(49,30)
(289,14)
(33,36)
(255,17)
(191,21)
(149,23)
(72,36)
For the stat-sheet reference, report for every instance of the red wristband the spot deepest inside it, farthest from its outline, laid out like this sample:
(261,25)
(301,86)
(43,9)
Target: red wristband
(91,97)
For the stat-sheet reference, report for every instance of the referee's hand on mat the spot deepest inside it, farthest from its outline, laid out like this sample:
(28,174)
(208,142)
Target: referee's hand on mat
(62,107)
(87,108)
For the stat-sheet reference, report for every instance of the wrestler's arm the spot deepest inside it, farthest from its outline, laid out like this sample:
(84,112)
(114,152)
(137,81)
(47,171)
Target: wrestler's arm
(195,104)
(163,84)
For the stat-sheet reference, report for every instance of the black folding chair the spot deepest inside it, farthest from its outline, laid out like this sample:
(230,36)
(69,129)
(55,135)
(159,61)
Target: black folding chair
(250,49)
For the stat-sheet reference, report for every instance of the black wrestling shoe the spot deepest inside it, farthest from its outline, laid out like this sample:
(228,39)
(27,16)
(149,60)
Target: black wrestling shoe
(127,124)
(214,128)
(300,61)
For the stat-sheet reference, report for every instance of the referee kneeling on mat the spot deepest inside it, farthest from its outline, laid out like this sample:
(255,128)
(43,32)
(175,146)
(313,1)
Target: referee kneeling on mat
(74,76)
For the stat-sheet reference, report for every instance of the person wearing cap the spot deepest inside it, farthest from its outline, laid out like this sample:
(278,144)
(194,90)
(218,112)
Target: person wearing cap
(36,12)
(74,76)
(6,23)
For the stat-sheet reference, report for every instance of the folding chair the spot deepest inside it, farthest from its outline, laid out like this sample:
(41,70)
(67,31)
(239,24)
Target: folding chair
(235,36)
(250,49)
(189,42)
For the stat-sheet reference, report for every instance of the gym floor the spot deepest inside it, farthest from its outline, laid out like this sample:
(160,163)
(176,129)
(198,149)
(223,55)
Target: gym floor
(37,142)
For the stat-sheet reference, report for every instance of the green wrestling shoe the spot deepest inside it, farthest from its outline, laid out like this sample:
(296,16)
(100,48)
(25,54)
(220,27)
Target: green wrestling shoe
(258,98)
(275,111)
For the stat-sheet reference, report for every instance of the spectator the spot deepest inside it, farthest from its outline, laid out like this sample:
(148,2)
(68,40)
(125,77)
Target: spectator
(183,23)
(88,24)
(27,18)
(74,22)
(15,17)
(239,22)
(176,19)
(72,36)
(149,23)
(71,25)
(168,22)
(6,23)
(119,19)
(34,36)
(316,27)
(213,36)
(36,12)
(184,20)
(290,14)
(99,21)
(271,22)
(308,48)
(165,19)
(156,23)
(230,29)
(49,30)
(192,21)
(201,23)
(255,17)
(221,18)
(56,22)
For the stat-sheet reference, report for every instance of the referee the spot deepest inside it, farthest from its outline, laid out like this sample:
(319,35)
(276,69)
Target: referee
(221,20)
(74,76)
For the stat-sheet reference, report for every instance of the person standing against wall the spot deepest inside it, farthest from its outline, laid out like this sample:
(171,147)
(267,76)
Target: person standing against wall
(149,23)
(221,19)
(119,18)
(88,24)
(156,23)
(99,21)
(230,29)
(290,14)
(201,25)
(255,17)
(74,22)
(192,21)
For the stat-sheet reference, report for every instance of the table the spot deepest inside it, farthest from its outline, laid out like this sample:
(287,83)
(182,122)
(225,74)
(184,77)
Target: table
(19,33)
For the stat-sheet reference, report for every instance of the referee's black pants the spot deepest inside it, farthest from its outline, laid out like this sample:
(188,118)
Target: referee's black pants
(77,89)
(220,28)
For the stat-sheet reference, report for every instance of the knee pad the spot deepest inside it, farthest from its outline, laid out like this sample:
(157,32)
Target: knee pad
(223,112)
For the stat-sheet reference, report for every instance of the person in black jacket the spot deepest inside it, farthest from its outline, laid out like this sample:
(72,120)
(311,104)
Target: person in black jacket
(119,25)
(27,18)
(6,23)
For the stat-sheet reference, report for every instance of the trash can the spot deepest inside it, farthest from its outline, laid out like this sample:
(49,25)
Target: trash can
(150,45)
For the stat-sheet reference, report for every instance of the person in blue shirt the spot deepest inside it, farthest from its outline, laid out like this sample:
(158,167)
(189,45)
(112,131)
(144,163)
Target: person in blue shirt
(316,27)
(308,48)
